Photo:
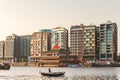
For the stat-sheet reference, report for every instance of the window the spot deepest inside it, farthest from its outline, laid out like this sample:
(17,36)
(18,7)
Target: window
(103,56)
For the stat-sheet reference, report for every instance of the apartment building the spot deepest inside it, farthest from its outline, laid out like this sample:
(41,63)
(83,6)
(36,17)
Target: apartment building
(90,43)
(39,43)
(10,47)
(108,42)
(83,42)
(59,38)
(76,40)
(22,51)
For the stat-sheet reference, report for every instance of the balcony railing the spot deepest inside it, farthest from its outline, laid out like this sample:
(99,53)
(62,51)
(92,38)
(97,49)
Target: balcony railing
(49,61)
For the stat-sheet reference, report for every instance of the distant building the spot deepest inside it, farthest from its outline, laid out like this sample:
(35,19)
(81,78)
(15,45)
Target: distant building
(17,48)
(83,42)
(76,40)
(2,45)
(39,44)
(59,38)
(49,38)
(10,47)
(108,42)
(90,43)
(22,48)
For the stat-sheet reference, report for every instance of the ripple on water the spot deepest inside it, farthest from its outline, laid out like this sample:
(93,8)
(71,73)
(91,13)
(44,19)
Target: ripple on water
(37,77)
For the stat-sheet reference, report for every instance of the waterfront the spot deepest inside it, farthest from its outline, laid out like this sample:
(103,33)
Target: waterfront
(32,73)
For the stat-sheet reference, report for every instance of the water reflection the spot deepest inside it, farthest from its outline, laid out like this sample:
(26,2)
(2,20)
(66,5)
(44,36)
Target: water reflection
(83,78)
(32,73)
(34,77)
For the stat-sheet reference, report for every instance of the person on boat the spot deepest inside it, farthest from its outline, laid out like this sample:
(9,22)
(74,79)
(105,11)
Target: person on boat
(49,70)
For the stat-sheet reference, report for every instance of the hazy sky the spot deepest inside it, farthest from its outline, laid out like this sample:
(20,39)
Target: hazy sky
(24,17)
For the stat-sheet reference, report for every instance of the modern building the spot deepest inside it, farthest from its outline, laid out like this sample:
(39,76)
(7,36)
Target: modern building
(108,42)
(47,31)
(10,47)
(76,40)
(83,42)
(2,45)
(22,48)
(17,48)
(59,42)
(90,43)
(59,38)
(39,43)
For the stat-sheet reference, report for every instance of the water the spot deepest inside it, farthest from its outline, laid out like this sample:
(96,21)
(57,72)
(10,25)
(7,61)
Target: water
(32,73)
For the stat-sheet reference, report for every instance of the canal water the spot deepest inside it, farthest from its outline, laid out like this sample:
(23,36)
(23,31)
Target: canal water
(32,73)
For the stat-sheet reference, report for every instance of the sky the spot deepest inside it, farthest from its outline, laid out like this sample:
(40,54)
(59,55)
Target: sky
(24,17)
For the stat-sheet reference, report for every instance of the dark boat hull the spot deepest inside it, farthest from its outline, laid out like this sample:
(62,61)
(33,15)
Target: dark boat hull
(5,66)
(53,74)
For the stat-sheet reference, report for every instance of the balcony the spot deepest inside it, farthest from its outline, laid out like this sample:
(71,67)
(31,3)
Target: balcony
(49,61)
(50,57)
(89,54)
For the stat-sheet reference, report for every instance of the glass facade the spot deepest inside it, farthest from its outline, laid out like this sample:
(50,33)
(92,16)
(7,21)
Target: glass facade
(108,41)
(45,30)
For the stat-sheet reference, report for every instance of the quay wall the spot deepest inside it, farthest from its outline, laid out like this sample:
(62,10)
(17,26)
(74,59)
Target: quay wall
(24,64)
